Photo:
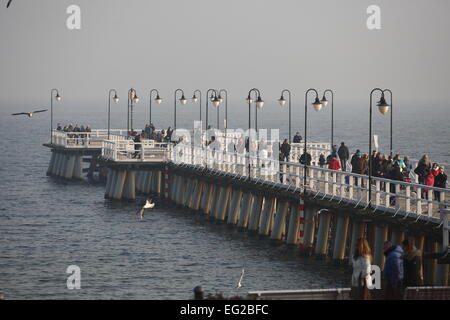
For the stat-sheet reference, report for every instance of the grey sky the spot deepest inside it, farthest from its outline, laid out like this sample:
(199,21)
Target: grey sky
(235,44)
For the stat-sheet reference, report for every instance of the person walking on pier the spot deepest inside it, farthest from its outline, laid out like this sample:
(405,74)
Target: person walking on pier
(297,138)
(285,150)
(423,166)
(361,279)
(305,158)
(344,155)
(429,178)
(412,264)
(322,160)
(393,271)
(334,164)
(440,181)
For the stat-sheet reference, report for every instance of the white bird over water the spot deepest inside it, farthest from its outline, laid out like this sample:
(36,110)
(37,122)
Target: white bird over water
(29,114)
(240,279)
(148,205)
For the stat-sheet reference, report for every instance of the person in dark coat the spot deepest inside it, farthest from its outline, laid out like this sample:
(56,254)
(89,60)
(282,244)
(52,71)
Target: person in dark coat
(285,150)
(355,162)
(412,264)
(393,271)
(343,154)
(440,181)
(305,159)
(422,169)
(297,138)
(322,160)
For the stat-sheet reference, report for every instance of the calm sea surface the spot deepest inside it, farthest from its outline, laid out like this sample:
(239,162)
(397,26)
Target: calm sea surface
(48,224)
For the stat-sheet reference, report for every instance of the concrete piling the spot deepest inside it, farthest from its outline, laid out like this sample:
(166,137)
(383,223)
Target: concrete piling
(294,225)
(267,216)
(255,213)
(340,238)
(130,185)
(235,207)
(280,218)
(322,235)
(381,234)
(247,201)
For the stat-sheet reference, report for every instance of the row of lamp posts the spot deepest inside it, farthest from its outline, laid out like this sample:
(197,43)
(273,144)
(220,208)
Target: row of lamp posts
(215,97)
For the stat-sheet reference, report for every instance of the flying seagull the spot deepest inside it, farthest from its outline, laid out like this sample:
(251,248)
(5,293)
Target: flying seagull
(29,114)
(9,2)
(240,279)
(148,205)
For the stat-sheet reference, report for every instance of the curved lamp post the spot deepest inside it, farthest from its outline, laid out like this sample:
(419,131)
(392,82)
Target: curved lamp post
(317,106)
(282,102)
(383,107)
(58,98)
(158,100)
(215,102)
(183,101)
(132,98)
(116,99)
(199,98)
(324,102)
(259,104)
(383,110)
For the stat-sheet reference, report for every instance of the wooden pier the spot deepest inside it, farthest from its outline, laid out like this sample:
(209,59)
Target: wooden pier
(269,197)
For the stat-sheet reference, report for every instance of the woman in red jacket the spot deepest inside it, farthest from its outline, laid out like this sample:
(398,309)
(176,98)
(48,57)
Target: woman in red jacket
(335,164)
(429,177)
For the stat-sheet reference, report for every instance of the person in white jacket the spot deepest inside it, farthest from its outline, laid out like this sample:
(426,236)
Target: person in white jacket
(361,279)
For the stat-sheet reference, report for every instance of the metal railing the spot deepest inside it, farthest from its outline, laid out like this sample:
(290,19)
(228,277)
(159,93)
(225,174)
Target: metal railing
(91,139)
(396,197)
(130,151)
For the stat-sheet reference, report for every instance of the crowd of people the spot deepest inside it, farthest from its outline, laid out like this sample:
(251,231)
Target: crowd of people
(403,268)
(383,166)
(150,132)
(71,128)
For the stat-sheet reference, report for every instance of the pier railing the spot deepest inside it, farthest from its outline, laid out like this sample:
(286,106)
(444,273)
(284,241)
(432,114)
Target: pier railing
(396,197)
(130,151)
(91,139)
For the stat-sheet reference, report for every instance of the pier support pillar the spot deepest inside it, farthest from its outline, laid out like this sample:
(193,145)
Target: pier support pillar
(235,207)
(78,167)
(294,225)
(381,234)
(209,198)
(129,191)
(51,163)
(108,183)
(247,201)
(56,164)
(280,221)
(70,164)
(431,264)
(397,236)
(255,214)
(119,183)
(309,231)
(340,238)
(267,216)
(215,207)
(224,203)
(441,271)
(358,228)
(322,235)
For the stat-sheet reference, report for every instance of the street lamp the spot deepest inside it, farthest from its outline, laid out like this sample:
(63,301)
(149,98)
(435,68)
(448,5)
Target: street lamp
(116,100)
(215,101)
(183,101)
(317,106)
(58,98)
(383,107)
(158,100)
(195,99)
(324,102)
(282,102)
(132,98)
(259,104)
(383,110)
(226,112)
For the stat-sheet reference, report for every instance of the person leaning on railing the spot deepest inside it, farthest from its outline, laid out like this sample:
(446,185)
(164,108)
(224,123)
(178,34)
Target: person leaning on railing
(440,181)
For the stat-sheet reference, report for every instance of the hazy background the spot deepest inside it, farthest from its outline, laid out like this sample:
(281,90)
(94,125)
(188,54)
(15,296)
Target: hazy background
(235,45)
